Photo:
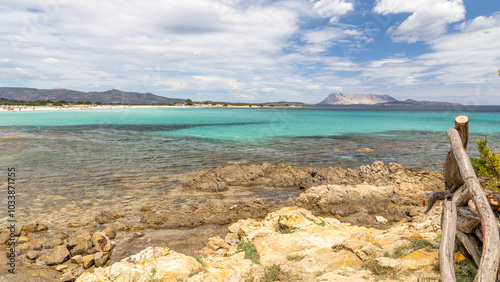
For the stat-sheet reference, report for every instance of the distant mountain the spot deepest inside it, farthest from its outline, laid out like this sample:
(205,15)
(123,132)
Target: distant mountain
(372,99)
(356,99)
(111,96)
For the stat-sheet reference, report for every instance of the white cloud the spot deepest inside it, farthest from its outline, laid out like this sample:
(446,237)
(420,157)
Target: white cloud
(49,61)
(4,61)
(428,20)
(332,8)
(481,23)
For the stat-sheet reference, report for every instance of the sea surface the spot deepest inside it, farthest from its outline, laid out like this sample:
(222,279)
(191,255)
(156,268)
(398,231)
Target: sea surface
(78,162)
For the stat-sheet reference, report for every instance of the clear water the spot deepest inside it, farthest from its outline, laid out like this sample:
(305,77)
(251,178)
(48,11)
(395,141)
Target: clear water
(102,154)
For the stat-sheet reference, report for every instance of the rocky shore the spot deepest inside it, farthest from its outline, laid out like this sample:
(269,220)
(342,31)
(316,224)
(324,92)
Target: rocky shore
(335,204)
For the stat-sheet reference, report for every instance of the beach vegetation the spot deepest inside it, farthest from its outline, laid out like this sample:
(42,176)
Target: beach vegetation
(418,244)
(487,165)
(275,273)
(199,259)
(289,230)
(189,102)
(465,272)
(295,257)
(375,267)
(250,250)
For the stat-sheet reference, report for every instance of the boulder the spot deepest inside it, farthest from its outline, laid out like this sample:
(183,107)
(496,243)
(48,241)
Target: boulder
(58,255)
(4,235)
(33,227)
(88,261)
(101,242)
(52,243)
(110,231)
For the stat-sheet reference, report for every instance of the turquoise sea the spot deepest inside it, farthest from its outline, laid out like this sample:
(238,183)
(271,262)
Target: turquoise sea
(73,164)
(175,140)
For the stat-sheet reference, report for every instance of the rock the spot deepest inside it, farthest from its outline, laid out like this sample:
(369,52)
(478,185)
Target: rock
(34,227)
(110,231)
(37,246)
(86,235)
(220,242)
(68,276)
(61,267)
(4,235)
(365,150)
(32,256)
(88,261)
(23,239)
(78,259)
(101,258)
(24,248)
(370,251)
(388,262)
(74,224)
(231,239)
(81,248)
(413,211)
(381,219)
(101,242)
(52,243)
(58,255)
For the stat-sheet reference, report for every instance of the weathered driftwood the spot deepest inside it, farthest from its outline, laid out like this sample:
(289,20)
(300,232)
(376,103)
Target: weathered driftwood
(459,247)
(452,176)
(447,245)
(491,253)
(467,220)
(468,211)
(474,245)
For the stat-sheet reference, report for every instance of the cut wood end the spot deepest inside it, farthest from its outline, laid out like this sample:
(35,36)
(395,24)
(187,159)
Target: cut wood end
(462,119)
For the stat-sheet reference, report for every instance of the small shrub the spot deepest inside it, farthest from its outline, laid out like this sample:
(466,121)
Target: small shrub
(488,163)
(418,244)
(250,250)
(375,267)
(319,273)
(295,257)
(274,273)
(153,270)
(465,272)
(387,254)
(194,272)
(400,251)
(199,259)
(289,230)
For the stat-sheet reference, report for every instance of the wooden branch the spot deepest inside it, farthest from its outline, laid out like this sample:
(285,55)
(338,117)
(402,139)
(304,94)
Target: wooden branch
(437,196)
(459,246)
(474,247)
(452,176)
(449,228)
(491,253)
(467,220)
(461,196)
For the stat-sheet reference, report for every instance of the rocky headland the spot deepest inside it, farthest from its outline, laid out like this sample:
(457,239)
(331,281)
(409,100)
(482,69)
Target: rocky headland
(345,224)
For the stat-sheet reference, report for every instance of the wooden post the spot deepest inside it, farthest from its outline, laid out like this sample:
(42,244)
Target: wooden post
(447,245)
(452,177)
(490,257)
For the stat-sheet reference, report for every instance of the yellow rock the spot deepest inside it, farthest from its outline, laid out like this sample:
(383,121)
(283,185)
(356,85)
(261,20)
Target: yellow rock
(365,150)
(424,259)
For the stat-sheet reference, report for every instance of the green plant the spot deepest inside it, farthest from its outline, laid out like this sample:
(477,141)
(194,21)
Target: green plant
(153,270)
(465,272)
(194,272)
(319,273)
(199,259)
(250,250)
(295,257)
(418,244)
(375,267)
(387,254)
(488,163)
(289,230)
(274,273)
(400,251)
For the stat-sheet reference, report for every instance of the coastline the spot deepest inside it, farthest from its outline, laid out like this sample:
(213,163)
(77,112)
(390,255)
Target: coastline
(390,191)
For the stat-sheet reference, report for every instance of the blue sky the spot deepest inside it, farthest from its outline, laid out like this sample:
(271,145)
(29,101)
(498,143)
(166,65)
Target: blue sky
(256,51)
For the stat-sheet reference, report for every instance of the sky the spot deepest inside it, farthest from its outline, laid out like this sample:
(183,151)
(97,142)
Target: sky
(256,50)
